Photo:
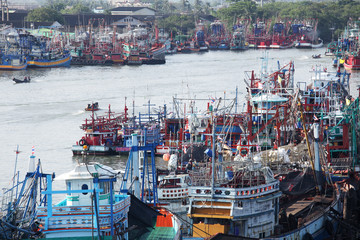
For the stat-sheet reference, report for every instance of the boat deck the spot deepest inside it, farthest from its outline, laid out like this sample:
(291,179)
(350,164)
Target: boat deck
(298,206)
(162,233)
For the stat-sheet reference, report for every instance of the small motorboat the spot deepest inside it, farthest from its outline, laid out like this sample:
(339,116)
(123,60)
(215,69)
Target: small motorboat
(316,56)
(26,80)
(92,107)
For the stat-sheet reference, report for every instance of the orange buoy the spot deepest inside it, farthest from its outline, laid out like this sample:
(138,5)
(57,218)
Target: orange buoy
(166,157)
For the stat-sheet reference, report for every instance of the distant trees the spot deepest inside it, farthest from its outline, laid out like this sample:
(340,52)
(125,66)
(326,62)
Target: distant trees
(45,14)
(328,14)
(53,9)
(178,24)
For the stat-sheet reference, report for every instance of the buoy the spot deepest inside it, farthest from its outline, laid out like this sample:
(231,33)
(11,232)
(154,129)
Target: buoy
(166,157)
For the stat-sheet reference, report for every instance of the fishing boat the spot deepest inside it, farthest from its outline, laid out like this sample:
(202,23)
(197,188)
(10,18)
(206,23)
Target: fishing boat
(48,60)
(200,41)
(110,134)
(306,35)
(25,80)
(13,62)
(238,41)
(170,47)
(222,202)
(19,201)
(92,107)
(91,206)
(157,51)
(131,54)
(316,56)
(279,38)
(143,185)
(219,39)
(243,198)
(352,62)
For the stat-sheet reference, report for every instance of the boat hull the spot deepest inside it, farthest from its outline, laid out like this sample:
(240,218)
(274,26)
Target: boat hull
(308,45)
(13,67)
(315,228)
(42,63)
(93,150)
(280,46)
(352,63)
(65,223)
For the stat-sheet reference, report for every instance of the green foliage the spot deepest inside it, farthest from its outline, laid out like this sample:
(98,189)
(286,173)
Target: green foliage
(77,6)
(163,6)
(178,24)
(239,9)
(45,14)
(328,14)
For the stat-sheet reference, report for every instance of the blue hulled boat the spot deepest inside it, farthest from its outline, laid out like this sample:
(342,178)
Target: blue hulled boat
(90,208)
(48,59)
(12,62)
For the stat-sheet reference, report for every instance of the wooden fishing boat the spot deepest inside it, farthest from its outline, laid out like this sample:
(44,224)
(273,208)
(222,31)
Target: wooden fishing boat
(48,60)
(131,54)
(238,41)
(20,200)
(352,62)
(316,56)
(92,107)
(25,80)
(13,62)
(90,207)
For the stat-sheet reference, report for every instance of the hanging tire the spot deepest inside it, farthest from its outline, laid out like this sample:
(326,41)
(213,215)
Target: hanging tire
(82,142)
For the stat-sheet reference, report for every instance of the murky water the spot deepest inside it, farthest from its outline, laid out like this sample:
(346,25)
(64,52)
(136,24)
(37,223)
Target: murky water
(47,112)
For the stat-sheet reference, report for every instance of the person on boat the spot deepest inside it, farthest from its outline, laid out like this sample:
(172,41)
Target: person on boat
(189,165)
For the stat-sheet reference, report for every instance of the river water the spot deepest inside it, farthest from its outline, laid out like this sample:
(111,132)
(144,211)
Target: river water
(47,112)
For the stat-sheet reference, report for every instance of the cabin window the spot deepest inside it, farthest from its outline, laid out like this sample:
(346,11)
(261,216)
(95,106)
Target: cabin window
(170,182)
(105,186)
(69,187)
(240,204)
(84,187)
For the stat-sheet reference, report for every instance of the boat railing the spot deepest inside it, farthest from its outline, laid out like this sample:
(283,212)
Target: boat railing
(62,210)
(238,193)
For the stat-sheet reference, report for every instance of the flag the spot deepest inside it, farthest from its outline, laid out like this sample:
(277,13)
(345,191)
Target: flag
(315,118)
(212,99)
(32,150)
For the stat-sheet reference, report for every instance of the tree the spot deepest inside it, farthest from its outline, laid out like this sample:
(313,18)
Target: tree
(77,8)
(240,9)
(181,24)
(45,14)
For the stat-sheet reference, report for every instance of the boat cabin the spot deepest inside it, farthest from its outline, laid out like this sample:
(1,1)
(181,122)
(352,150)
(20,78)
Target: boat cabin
(174,187)
(266,104)
(89,194)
